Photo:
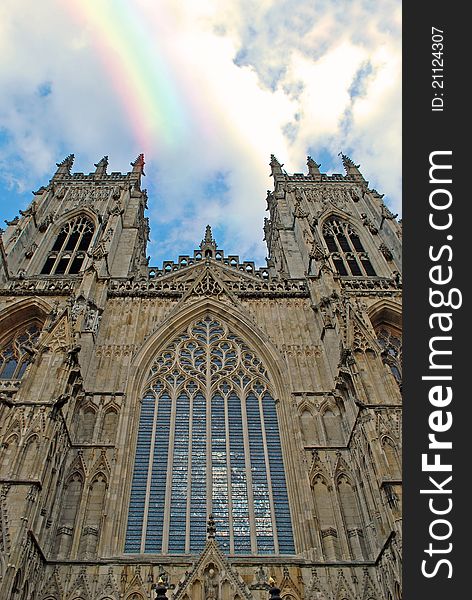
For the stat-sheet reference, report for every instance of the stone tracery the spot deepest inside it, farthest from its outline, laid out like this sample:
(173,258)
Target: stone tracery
(218,389)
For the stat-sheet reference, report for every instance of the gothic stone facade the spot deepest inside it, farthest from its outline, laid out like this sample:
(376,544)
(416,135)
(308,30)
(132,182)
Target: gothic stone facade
(136,401)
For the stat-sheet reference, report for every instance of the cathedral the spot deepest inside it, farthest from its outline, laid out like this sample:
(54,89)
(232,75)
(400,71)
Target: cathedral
(208,430)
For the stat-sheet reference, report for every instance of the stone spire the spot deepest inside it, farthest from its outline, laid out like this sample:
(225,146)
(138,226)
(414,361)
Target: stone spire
(208,239)
(101,167)
(208,244)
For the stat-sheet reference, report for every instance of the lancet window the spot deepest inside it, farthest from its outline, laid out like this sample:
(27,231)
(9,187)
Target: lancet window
(17,353)
(69,250)
(208,443)
(347,252)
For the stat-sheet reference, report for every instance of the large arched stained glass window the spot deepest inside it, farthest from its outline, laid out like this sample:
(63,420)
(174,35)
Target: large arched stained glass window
(208,443)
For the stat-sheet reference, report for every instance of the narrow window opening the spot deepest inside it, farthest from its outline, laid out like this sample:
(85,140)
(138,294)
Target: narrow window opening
(347,253)
(68,251)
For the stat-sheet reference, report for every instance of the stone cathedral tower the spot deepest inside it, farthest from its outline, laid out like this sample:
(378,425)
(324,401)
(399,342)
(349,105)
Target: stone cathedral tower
(210,425)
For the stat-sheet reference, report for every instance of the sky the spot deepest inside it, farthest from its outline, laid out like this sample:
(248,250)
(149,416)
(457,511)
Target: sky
(208,90)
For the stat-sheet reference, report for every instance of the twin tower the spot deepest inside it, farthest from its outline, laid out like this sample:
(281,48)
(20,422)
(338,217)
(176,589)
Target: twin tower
(207,429)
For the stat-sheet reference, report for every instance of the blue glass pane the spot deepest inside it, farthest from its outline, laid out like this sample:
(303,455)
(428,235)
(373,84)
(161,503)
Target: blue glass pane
(260,488)
(178,506)
(219,471)
(9,369)
(277,472)
(138,485)
(198,511)
(240,513)
(155,523)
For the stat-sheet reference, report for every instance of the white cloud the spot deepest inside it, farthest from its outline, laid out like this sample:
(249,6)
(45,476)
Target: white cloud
(247,78)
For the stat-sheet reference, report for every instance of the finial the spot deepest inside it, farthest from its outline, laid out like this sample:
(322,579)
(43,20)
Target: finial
(274,591)
(211,528)
(208,239)
(161,589)
(138,164)
(208,244)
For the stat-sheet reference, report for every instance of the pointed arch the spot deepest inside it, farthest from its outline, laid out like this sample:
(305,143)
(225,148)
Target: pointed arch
(323,496)
(86,420)
(72,495)
(64,251)
(109,424)
(7,450)
(241,325)
(332,420)
(308,425)
(93,514)
(386,310)
(22,313)
(343,242)
(29,455)
(197,590)
(205,370)
(226,590)
(16,588)
(20,327)
(392,456)
(348,502)
(386,319)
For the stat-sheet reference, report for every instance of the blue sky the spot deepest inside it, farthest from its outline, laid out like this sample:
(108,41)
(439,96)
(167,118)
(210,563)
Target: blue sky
(243,79)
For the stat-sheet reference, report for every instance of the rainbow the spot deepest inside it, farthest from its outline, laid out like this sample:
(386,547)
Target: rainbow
(127,44)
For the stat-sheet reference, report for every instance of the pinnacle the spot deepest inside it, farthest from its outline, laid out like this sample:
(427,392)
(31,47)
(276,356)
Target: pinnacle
(103,162)
(313,166)
(67,162)
(139,161)
(348,162)
(208,239)
(138,164)
(312,163)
